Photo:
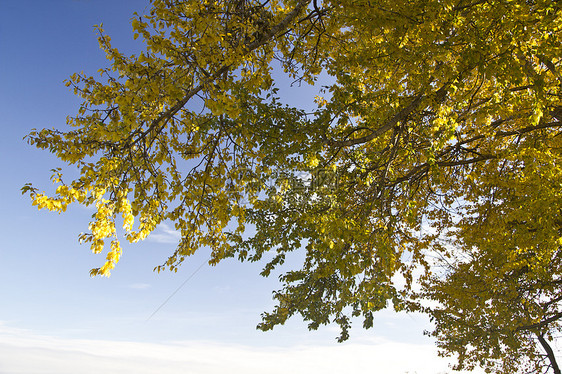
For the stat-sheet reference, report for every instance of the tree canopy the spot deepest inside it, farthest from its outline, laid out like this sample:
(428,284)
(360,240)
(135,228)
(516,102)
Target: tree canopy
(429,170)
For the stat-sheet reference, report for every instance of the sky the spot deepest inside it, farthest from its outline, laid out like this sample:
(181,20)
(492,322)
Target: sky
(54,318)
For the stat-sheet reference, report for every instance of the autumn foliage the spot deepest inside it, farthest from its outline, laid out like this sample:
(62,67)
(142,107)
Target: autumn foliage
(430,170)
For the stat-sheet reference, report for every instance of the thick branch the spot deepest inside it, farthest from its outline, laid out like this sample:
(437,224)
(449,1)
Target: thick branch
(398,117)
(280,26)
(549,354)
(422,168)
(528,129)
(541,324)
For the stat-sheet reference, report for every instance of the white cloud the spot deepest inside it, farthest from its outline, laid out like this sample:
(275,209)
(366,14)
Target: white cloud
(139,286)
(165,234)
(24,352)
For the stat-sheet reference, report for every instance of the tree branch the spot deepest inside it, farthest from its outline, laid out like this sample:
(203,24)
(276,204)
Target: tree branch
(549,354)
(400,116)
(528,129)
(273,31)
(541,324)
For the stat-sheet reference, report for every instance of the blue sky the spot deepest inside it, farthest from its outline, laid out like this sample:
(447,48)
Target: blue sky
(54,318)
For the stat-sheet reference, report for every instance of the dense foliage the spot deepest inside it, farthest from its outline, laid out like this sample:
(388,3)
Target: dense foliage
(434,149)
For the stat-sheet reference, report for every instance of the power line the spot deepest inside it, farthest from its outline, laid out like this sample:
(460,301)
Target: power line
(177,289)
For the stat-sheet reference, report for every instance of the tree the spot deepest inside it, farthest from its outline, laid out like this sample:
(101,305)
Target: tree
(441,123)
(499,296)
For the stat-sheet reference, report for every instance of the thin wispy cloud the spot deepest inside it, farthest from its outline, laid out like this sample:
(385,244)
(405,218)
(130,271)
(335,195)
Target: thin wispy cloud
(165,234)
(24,352)
(139,286)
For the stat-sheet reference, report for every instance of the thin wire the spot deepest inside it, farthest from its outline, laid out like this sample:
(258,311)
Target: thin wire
(177,289)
